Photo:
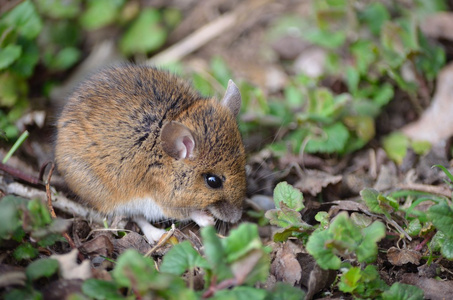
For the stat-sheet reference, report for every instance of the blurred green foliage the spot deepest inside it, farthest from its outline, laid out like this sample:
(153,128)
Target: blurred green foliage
(52,34)
(371,48)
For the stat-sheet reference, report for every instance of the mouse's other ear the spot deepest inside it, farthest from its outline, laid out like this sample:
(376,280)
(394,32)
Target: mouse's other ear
(177,140)
(232,98)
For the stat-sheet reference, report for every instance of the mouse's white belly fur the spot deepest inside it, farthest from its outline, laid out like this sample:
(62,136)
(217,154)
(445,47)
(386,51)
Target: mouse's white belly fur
(146,207)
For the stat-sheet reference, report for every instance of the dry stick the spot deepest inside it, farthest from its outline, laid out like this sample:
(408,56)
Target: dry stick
(203,35)
(162,241)
(20,175)
(438,190)
(50,206)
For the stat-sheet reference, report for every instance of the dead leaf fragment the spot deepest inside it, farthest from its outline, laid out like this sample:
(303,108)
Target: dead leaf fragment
(70,269)
(399,257)
(313,181)
(436,123)
(100,245)
(433,289)
(285,266)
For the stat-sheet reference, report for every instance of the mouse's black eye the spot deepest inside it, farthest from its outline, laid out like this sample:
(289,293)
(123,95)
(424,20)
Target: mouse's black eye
(213,181)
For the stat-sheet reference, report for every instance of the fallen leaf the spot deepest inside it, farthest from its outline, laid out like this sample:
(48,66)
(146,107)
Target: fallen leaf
(100,245)
(399,257)
(70,269)
(434,289)
(285,266)
(436,123)
(313,181)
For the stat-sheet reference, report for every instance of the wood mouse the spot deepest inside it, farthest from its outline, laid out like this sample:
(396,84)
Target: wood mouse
(138,141)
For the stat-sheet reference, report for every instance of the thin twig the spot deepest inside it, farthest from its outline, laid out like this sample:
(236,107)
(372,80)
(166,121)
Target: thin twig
(20,175)
(161,242)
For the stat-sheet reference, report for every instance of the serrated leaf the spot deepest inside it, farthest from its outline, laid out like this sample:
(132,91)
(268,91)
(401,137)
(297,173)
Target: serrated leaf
(367,250)
(100,289)
(45,267)
(414,227)
(25,251)
(370,197)
(284,217)
(135,271)
(289,195)
(332,140)
(401,291)
(241,240)
(317,247)
(447,247)
(442,217)
(180,258)
(145,34)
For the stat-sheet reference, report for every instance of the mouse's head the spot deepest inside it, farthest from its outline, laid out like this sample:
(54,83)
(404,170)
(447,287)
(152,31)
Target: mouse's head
(207,158)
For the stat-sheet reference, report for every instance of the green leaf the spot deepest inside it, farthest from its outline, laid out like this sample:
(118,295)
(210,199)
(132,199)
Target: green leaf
(25,251)
(29,58)
(285,218)
(64,59)
(135,271)
(414,227)
(240,293)
(447,247)
(289,195)
(442,217)
(367,250)
(12,89)
(215,253)
(220,69)
(24,19)
(23,294)
(100,289)
(45,267)
(374,16)
(333,139)
(180,258)
(8,55)
(370,196)
(59,9)
(145,34)
(9,214)
(284,291)
(241,240)
(395,145)
(401,291)
(350,280)
(100,13)
(319,248)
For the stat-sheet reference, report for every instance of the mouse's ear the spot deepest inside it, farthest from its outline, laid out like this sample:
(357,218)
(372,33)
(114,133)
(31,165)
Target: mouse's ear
(232,98)
(177,140)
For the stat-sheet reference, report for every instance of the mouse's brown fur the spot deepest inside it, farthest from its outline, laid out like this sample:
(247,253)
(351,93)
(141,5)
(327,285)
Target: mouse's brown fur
(109,145)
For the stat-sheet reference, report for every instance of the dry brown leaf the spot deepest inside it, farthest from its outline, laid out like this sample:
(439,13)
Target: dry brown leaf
(436,123)
(131,240)
(100,245)
(285,266)
(313,181)
(433,289)
(70,269)
(399,257)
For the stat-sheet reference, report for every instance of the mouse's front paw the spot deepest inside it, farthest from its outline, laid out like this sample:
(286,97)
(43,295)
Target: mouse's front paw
(202,218)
